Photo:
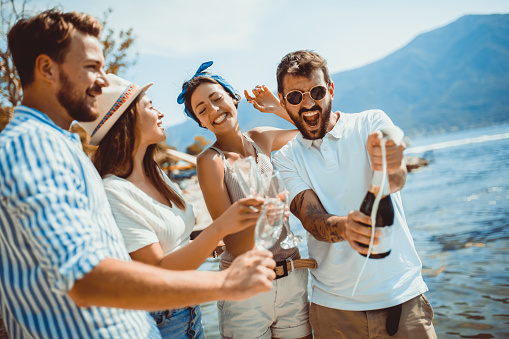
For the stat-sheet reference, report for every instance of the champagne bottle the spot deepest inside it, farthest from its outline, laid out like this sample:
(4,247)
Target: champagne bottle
(384,217)
(385,211)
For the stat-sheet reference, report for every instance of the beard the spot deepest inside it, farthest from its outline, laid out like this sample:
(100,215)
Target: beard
(70,99)
(324,122)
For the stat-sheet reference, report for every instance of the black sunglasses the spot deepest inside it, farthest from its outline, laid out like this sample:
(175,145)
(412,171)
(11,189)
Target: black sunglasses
(316,93)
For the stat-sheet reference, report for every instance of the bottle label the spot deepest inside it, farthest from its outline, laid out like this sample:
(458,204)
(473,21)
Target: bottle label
(386,238)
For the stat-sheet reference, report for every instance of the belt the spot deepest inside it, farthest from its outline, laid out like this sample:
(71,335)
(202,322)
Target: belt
(283,267)
(168,313)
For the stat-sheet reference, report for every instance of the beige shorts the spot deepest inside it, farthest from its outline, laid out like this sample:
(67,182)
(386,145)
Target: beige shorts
(283,312)
(415,322)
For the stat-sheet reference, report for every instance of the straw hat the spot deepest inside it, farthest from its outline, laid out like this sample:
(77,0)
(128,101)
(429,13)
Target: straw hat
(112,103)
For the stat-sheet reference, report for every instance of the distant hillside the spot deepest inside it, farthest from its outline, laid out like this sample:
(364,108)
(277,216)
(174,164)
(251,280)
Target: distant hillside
(454,77)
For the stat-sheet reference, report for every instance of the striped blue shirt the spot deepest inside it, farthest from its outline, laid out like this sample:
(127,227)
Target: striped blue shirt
(55,226)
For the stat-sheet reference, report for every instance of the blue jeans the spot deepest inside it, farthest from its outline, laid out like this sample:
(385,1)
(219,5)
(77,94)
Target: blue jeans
(181,323)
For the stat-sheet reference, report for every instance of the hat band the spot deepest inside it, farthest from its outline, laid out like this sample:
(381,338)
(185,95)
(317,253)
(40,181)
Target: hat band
(121,100)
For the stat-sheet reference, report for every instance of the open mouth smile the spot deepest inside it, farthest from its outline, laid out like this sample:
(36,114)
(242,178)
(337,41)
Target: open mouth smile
(220,119)
(311,118)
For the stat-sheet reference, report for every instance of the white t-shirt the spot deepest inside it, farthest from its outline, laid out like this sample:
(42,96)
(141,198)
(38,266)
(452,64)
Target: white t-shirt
(144,221)
(338,170)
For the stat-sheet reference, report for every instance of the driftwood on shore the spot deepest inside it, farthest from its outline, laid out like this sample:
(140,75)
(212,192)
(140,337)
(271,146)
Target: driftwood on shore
(414,163)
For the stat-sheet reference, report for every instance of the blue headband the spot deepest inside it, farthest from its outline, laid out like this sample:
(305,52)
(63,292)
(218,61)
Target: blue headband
(199,72)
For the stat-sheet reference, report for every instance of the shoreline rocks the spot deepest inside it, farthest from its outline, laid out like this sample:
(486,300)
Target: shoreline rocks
(414,163)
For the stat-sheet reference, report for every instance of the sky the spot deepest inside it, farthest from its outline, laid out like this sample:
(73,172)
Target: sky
(246,39)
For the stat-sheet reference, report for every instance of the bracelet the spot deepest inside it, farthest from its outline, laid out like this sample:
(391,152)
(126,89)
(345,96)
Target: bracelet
(214,254)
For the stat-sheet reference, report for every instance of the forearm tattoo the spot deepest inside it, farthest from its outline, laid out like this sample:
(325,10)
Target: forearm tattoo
(315,219)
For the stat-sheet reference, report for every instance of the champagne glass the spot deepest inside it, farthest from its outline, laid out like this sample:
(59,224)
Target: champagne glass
(274,187)
(270,223)
(249,177)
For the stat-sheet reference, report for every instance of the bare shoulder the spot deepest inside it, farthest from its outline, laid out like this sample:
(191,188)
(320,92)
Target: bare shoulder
(207,157)
(209,166)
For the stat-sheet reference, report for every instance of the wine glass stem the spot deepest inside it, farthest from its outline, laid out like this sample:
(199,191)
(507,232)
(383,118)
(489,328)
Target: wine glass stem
(287,227)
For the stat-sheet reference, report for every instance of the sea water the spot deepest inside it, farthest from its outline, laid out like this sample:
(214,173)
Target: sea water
(457,209)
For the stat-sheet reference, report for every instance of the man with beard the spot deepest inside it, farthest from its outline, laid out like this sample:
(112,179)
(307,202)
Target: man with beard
(64,268)
(327,169)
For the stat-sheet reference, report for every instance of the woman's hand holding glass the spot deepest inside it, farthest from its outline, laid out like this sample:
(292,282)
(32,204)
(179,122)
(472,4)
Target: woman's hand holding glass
(240,215)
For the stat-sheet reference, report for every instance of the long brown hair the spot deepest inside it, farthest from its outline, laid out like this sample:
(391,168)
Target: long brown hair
(116,151)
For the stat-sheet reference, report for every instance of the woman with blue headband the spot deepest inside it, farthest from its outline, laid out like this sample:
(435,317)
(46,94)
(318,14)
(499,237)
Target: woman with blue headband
(212,102)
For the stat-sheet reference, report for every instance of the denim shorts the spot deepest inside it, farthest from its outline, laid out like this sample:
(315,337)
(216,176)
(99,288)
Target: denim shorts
(180,323)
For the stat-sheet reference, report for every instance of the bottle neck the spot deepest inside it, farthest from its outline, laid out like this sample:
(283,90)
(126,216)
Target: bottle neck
(376,183)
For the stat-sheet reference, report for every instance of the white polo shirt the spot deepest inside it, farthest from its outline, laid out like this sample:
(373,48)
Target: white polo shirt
(338,170)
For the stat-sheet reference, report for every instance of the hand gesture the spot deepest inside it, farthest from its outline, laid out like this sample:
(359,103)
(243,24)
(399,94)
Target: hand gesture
(264,100)
(249,274)
(394,153)
(356,232)
(240,215)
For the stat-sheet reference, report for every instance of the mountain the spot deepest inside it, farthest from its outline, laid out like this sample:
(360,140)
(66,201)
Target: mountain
(454,77)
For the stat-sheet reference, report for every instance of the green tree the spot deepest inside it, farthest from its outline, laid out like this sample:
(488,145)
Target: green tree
(117,47)
(10,85)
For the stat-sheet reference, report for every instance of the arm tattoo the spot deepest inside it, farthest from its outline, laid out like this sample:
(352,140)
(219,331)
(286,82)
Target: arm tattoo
(296,204)
(315,219)
(322,227)
(332,235)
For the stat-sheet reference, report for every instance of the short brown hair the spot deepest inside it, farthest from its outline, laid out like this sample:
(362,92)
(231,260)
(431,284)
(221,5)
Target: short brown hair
(49,33)
(301,63)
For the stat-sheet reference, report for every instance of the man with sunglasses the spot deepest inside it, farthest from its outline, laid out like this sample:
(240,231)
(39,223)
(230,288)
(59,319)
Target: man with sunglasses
(327,169)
